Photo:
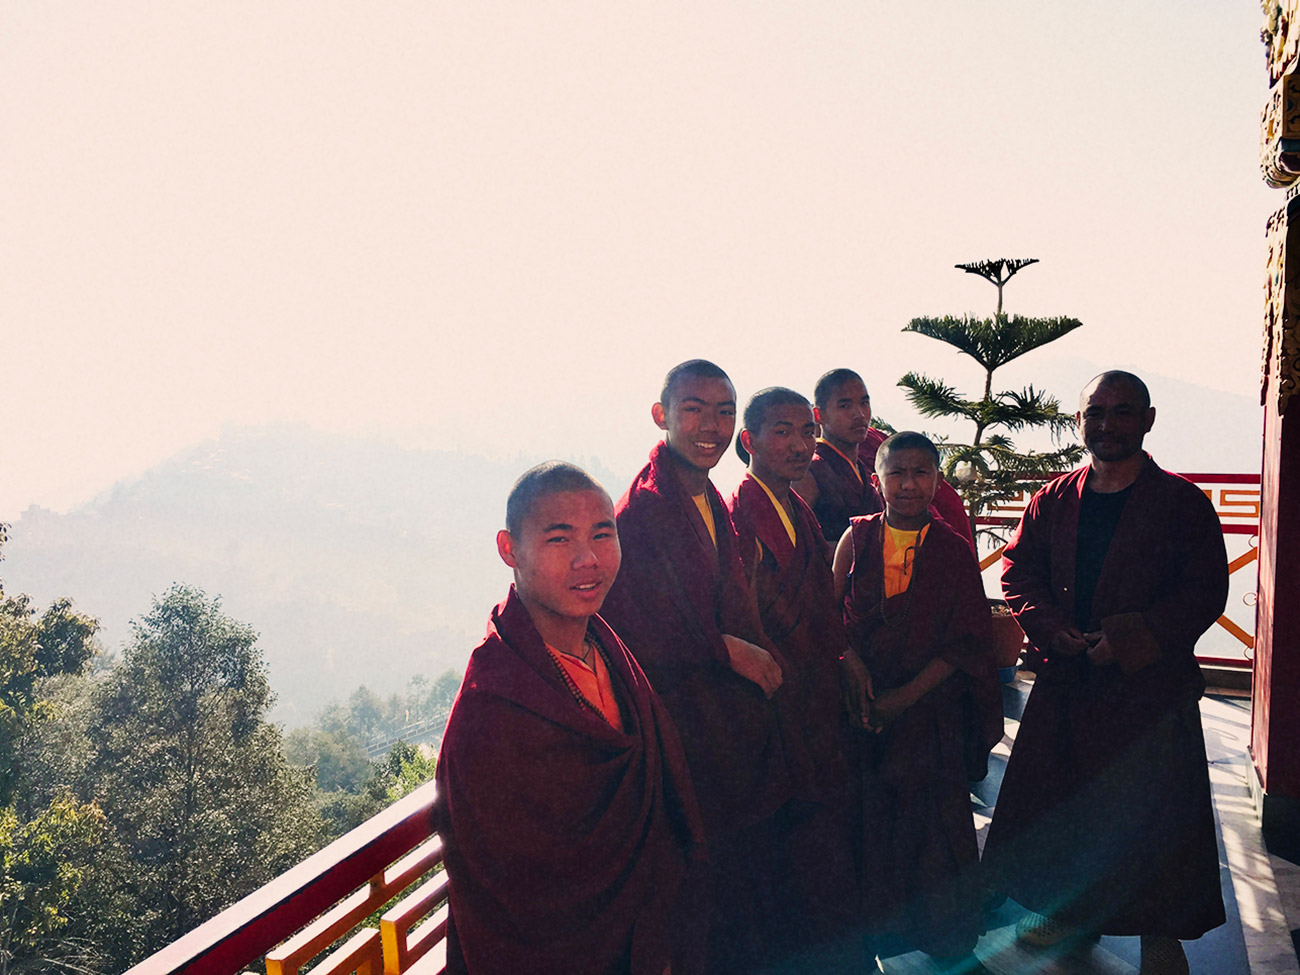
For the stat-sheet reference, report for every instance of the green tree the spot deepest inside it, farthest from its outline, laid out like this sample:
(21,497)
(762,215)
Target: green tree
(989,470)
(338,760)
(47,837)
(202,805)
(44,862)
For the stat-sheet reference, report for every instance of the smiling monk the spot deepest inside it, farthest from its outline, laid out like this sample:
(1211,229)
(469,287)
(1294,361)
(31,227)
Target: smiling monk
(687,612)
(564,800)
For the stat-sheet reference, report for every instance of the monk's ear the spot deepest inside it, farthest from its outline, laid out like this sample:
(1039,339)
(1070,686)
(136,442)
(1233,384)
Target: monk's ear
(660,416)
(1149,419)
(747,442)
(817,415)
(875,483)
(506,547)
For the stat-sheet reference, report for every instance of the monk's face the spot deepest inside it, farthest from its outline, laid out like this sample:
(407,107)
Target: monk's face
(699,418)
(847,413)
(565,554)
(783,446)
(907,479)
(1113,420)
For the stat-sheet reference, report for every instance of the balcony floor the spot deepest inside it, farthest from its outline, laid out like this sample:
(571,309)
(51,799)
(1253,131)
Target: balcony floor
(1261,891)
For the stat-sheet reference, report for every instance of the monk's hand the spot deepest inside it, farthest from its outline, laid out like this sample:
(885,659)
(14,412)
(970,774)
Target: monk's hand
(1069,641)
(887,706)
(753,663)
(1100,652)
(855,682)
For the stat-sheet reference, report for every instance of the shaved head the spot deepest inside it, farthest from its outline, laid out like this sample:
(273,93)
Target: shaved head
(700,368)
(832,381)
(1117,377)
(552,477)
(906,440)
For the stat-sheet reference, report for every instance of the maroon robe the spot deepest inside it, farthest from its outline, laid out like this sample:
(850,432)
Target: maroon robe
(842,493)
(796,601)
(920,859)
(567,840)
(1104,816)
(947,503)
(674,598)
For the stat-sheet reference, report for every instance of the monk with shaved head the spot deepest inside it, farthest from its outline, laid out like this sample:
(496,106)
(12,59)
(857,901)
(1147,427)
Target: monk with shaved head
(564,799)
(1104,822)
(687,611)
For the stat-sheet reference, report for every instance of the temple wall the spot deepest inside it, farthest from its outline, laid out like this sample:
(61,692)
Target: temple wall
(1275,726)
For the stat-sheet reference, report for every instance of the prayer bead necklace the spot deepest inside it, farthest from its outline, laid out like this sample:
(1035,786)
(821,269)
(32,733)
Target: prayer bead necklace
(911,580)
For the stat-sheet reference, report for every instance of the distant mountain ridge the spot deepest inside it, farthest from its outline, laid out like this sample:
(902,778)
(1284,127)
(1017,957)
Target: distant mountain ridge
(359,562)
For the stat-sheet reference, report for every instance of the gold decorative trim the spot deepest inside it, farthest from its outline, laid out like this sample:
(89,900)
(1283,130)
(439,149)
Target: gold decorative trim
(1280,33)
(1279,135)
(1281,352)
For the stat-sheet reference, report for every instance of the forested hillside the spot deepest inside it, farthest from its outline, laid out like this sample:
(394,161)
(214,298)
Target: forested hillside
(357,562)
(141,794)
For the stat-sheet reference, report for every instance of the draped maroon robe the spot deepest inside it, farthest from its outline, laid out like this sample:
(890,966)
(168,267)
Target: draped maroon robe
(920,851)
(796,600)
(567,840)
(1104,814)
(674,597)
(844,491)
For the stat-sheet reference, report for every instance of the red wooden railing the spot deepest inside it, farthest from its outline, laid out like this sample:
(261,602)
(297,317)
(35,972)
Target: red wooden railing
(305,912)
(1236,499)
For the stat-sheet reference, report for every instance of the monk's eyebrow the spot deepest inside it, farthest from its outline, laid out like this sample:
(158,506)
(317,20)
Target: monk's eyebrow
(696,399)
(605,524)
(558,526)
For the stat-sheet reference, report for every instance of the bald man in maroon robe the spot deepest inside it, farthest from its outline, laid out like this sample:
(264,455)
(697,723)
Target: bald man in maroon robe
(1104,823)
(687,612)
(565,806)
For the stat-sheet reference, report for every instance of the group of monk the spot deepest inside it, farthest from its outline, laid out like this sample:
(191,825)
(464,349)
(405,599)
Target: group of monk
(712,737)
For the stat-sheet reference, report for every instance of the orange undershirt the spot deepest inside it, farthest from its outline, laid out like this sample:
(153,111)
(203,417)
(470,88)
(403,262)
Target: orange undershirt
(593,683)
(706,512)
(900,557)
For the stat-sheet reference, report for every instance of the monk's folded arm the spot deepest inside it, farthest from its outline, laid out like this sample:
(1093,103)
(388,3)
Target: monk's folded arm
(931,676)
(639,604)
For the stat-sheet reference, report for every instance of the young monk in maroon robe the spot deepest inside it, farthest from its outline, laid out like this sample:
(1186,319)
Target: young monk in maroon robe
(838,483)
(1104,823)
(947,503)
(686,610)
(837,486)
(790,564)
(564,800)
(915,611)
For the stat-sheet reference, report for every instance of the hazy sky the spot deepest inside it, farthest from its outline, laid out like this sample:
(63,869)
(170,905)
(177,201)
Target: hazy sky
(494,226)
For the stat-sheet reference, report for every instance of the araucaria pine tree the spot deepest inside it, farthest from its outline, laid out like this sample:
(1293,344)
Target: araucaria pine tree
(989,470)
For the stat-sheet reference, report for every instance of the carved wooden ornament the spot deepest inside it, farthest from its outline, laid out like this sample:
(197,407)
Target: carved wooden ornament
(1282,308)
